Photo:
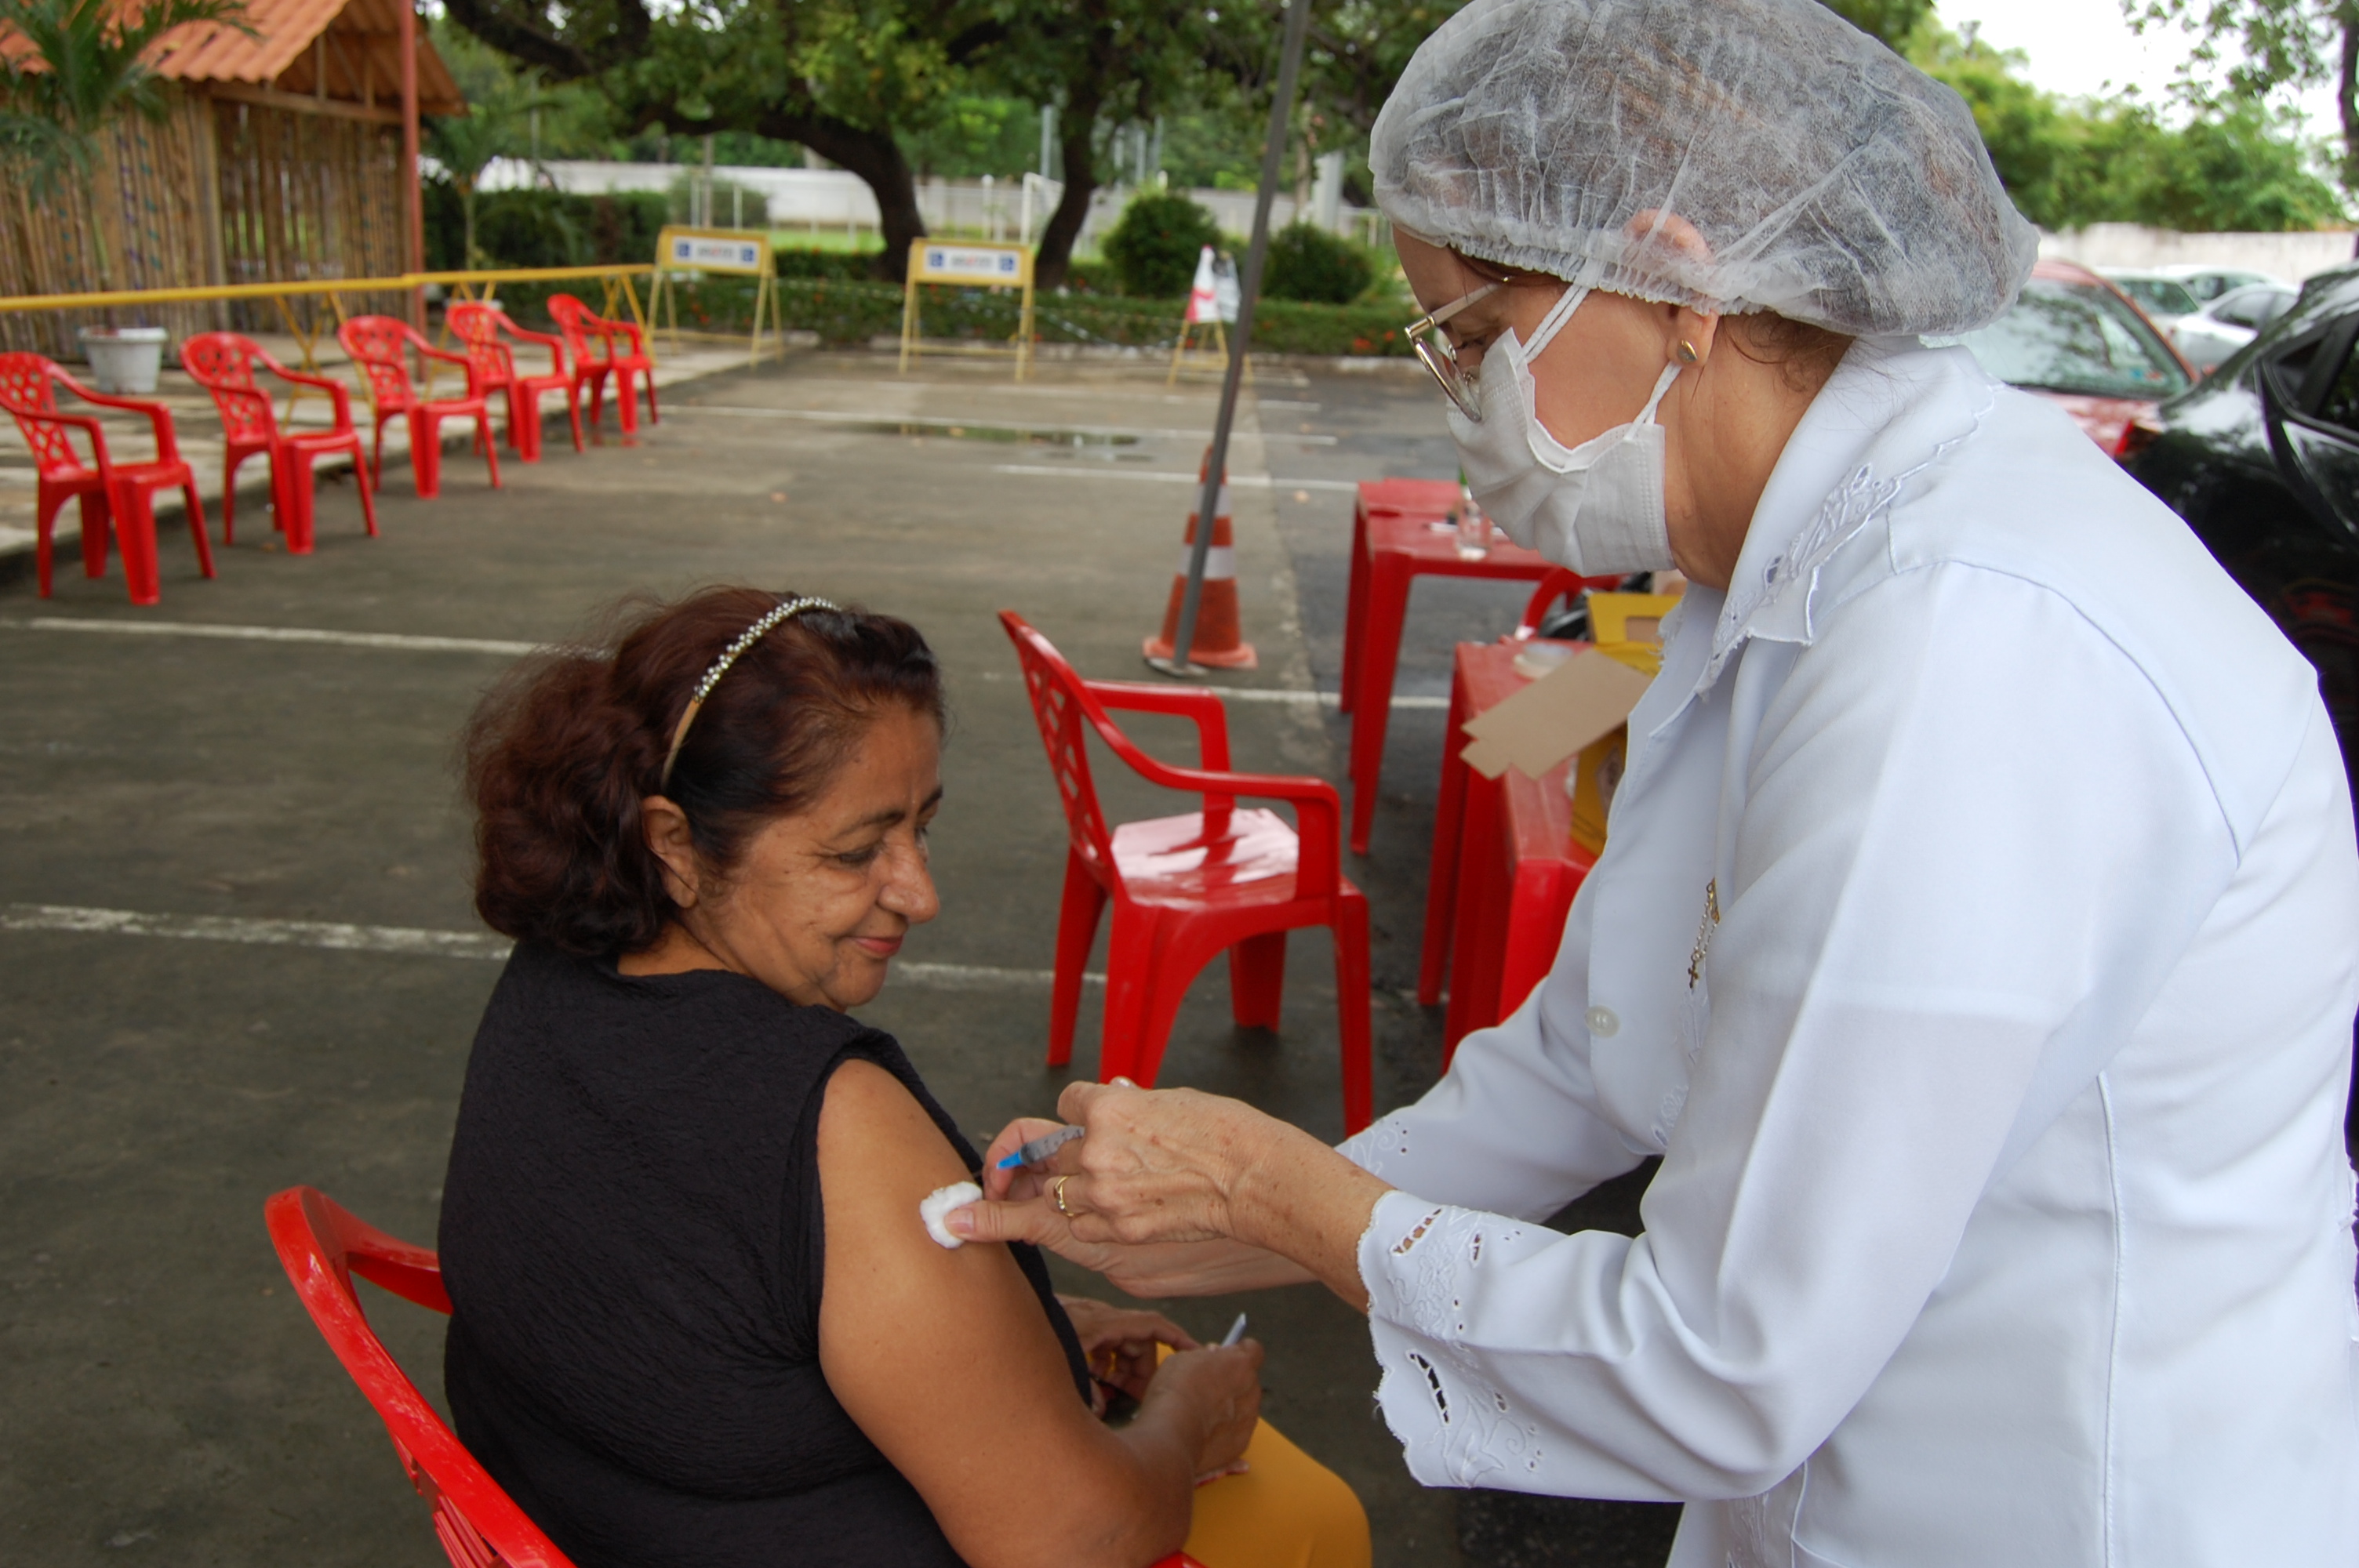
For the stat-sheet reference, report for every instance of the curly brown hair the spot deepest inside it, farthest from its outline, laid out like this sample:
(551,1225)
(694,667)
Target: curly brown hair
(559,754)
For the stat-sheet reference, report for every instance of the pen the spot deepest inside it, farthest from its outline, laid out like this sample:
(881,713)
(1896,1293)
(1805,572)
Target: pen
(1040,1148)
(1237,1332)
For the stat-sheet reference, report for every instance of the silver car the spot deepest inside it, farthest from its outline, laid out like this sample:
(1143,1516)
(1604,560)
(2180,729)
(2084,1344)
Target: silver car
(2229,322)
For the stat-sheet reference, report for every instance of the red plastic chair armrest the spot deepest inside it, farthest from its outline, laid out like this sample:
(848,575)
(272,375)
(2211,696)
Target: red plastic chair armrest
(1197,702)
(627,329)
(1317,807)
(337,393)
(555,346)
(159,418)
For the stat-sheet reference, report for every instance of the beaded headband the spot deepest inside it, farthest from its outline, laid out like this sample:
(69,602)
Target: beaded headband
(730,655)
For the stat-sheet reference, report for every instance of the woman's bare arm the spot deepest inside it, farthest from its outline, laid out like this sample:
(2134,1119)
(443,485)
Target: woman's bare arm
(946,1361)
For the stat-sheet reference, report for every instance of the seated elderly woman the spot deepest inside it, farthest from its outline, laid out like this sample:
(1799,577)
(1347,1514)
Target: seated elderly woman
(697,1319)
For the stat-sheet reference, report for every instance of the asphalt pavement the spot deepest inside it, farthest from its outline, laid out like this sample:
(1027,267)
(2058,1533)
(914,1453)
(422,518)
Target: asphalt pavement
(237,953)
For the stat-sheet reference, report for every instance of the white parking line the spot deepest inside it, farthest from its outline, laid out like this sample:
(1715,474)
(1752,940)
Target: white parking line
(416,941)
(986,422)
(1167,475)
(510,650)
(277,634)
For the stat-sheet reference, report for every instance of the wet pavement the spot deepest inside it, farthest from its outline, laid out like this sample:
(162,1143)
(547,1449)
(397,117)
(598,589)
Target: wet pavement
(239,953)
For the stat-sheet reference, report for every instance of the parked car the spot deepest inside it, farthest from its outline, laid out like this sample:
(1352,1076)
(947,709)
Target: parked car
(2262,459)
(2164,299)
(2229,322)
(2209,283)
(2074,338)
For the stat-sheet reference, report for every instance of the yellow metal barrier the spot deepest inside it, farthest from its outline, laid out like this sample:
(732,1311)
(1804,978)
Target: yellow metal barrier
(478,283)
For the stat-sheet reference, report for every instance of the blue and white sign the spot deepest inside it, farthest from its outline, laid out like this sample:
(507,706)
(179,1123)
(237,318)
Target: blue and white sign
(995,264)
(714,252)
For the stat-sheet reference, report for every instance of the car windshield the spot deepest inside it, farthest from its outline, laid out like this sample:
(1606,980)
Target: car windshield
(2159,295)
(2077,338)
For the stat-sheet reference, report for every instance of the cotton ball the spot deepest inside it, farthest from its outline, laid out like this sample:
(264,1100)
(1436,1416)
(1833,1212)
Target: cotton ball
(936,1206)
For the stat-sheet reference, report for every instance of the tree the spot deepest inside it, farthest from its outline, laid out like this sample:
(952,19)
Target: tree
(86,69)
(2232,167)
(500,103)
(840,77)
(2282,43)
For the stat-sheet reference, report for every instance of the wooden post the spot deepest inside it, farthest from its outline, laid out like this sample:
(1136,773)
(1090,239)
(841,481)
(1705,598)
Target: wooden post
(413,199)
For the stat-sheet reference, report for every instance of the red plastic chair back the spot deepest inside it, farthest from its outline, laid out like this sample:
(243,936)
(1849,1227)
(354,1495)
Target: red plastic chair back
(323,1248)
(26,393)
(222,363)
(478,326)
(378,344)
(572,318)
(1060,706)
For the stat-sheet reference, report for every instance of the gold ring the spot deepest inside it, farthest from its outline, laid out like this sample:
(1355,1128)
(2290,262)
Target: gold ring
(1058,1188)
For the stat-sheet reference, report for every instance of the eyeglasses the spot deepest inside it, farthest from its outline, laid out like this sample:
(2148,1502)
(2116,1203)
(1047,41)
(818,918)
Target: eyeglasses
(1434,352)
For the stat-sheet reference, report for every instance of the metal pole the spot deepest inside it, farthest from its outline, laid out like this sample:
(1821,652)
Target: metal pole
(1281,116)
(412,201)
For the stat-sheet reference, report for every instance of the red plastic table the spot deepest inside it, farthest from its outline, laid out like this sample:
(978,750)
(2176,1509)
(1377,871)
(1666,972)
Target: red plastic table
(1504,866)
(1394,540)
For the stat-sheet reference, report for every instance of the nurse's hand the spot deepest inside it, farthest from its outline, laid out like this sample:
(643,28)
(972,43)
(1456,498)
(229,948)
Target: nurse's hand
(1169,1166)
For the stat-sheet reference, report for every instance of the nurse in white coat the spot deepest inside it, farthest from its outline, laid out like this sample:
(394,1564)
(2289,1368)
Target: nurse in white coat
(1975,941)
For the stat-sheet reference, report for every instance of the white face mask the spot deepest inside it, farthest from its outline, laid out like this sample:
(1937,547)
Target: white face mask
(1596,508)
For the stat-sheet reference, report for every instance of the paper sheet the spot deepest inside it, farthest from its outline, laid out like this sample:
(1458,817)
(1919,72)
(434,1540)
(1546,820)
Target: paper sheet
(1579,700)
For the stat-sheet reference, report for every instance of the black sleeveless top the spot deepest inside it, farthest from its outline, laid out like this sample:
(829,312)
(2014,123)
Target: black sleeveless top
(634,1244)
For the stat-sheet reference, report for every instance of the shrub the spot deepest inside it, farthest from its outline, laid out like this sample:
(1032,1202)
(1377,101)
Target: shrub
(544,228)
(1153,249)
(1307,263)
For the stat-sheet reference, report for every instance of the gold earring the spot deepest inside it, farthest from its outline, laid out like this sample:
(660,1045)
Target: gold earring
(1688,354)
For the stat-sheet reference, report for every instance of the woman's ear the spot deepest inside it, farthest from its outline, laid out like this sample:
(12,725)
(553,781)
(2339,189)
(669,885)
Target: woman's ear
(1688,334)
(664,827)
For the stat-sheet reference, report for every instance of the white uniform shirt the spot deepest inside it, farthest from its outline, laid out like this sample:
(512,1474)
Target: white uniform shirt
(1975,943)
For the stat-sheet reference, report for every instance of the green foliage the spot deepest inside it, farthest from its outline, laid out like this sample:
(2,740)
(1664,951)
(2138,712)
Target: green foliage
(2277,44)
(1154,245)
(543,228)
(1305,262)
(92,74)
(976,133)
(1894,21)
(2233,166)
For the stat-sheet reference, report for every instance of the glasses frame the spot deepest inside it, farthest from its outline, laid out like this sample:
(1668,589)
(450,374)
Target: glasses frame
(1434,352)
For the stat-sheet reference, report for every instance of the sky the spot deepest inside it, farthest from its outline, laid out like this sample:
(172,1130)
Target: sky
(2084,48)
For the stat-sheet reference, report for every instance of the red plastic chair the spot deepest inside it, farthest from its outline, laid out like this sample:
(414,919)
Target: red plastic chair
(378,345)
(580,324)
(1561,582)
(479,326)
(223,363)
(1184,888)
(322,1247)
(118,500)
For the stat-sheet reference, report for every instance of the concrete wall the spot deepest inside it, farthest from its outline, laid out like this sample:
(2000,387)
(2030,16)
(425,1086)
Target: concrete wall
(2291,256)
(833,201)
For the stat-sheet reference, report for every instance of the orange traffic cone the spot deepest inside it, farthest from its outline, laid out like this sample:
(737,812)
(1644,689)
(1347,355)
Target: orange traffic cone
(1219,641)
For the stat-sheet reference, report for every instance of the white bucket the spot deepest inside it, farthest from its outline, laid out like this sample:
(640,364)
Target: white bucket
(125,360)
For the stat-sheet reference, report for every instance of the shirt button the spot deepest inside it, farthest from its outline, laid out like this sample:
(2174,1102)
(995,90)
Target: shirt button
(1602,1021)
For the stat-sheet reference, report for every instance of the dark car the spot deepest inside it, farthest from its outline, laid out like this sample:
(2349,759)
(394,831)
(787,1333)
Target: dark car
(2262,458)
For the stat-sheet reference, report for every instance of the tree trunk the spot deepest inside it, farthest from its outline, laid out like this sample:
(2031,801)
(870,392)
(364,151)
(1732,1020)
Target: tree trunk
(2347,90)
(1077,125)
(467,221)
(876,158)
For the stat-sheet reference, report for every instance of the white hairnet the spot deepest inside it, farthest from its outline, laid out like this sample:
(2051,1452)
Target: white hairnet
(1829,182)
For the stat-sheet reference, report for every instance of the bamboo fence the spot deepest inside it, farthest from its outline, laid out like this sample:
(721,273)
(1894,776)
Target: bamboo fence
(217,192)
